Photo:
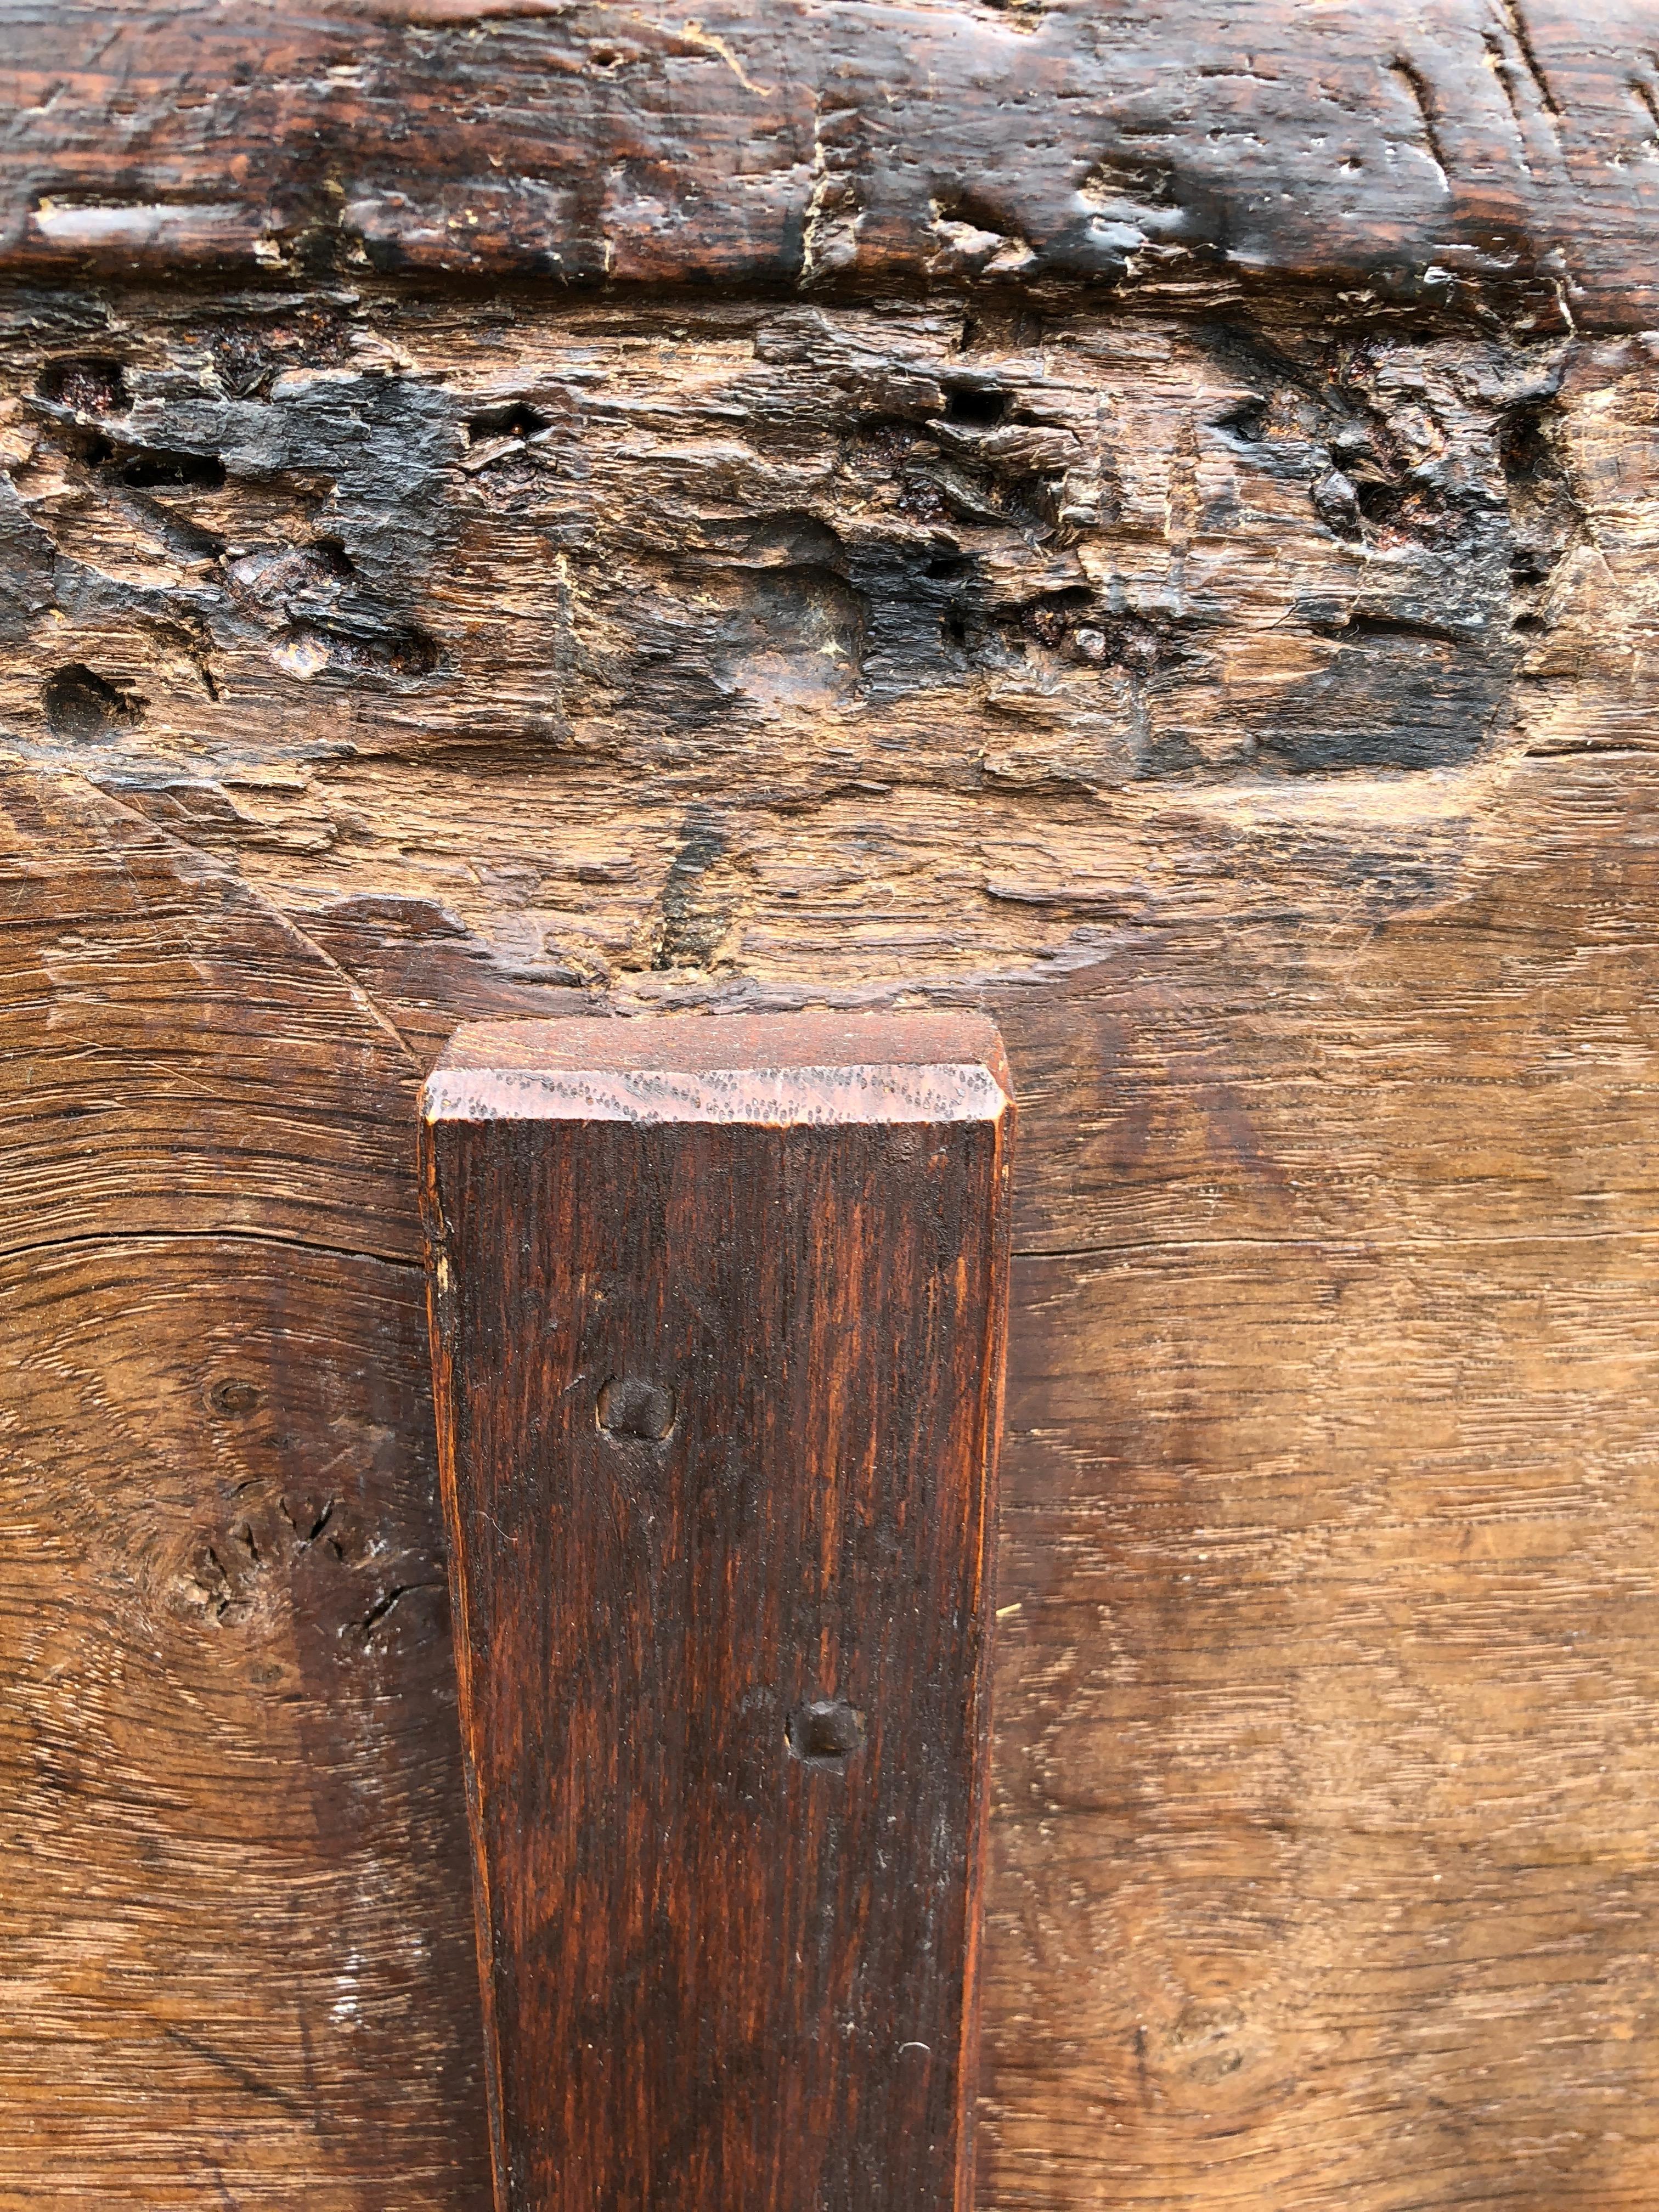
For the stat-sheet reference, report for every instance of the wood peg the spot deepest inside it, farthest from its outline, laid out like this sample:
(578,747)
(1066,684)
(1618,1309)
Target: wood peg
(717,1311)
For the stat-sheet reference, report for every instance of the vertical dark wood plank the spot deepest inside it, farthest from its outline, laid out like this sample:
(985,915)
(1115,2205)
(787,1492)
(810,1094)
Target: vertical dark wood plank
(717,1322)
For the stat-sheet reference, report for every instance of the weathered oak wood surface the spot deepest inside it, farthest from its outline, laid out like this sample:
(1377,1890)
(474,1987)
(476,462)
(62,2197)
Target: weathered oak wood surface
(1237,676)
(718,1316)
(1474,151)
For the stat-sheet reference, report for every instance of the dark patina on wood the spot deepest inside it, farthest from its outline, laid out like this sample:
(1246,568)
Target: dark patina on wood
(718,1320)
(1468,154)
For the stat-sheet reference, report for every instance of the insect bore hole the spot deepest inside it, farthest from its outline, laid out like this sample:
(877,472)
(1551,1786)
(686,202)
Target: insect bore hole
(826,1732)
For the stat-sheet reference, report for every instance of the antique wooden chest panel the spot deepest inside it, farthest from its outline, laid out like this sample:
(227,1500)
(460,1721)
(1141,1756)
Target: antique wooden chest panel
(1137,522)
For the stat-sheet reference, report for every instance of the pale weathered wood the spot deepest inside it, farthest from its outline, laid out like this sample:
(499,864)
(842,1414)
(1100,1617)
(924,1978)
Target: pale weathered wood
(235,1929)
(899,569)
(1324,1758)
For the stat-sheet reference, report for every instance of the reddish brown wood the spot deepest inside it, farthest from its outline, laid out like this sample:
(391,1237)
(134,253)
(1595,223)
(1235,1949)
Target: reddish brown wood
(1237,677)
(1480,156)
(717,1322)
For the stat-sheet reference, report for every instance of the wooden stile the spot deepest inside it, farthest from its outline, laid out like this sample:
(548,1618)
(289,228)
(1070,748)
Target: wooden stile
(717,1312)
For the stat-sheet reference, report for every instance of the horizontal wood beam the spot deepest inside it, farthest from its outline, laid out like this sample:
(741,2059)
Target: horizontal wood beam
(1456,152)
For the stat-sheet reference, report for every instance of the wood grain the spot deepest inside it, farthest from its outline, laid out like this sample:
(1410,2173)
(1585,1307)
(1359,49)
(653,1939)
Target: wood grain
(381,655)
(718,1319)
(933,580)
(1478,154)
(235,1925)
(1325,1717)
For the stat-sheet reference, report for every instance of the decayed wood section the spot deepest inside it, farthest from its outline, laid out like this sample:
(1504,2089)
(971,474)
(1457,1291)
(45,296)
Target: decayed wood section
(1470,152)
(717,1321)
(1257,720)
(1217,639)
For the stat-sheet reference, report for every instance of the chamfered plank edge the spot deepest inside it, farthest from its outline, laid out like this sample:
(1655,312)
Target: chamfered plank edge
(824,1250)
(776,1071)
